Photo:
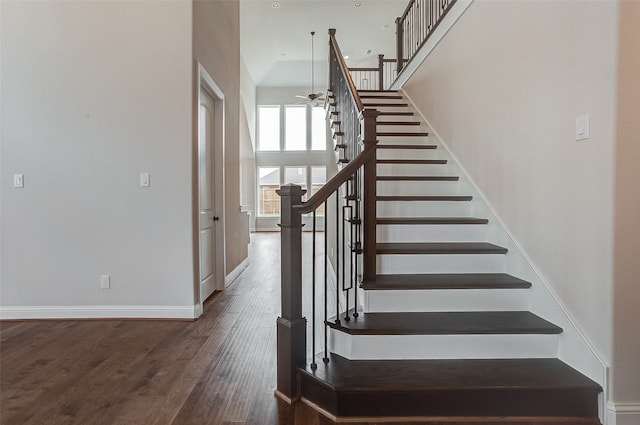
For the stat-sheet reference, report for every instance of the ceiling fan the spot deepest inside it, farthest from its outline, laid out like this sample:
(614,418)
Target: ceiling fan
(313,98)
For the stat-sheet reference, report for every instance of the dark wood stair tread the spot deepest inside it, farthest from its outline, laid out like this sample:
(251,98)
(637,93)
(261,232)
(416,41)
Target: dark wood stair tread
(447,323)
(377,91)
(395,114)
(412,161)
(382,104)
(401,134)
(384,146)
(439,248)
(380,96)
(454,388)
(434,198)
(445,281)
(418,178)
(417,123)
(431,220)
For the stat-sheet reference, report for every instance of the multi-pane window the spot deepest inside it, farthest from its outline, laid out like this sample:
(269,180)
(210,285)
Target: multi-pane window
(269,128)
(268,183)
(292,143)
(270,179)
(304,128)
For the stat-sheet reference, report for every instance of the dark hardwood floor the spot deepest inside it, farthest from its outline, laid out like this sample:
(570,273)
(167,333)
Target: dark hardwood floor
(218,370)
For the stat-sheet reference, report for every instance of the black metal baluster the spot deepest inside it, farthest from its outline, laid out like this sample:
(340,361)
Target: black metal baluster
(344,261)
(358,246)
(338,256)
(314,365)
(326,271)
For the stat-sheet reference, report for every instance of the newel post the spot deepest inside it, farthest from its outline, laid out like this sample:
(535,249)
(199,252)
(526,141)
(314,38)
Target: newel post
(399,44)
(369,138)
(291,326)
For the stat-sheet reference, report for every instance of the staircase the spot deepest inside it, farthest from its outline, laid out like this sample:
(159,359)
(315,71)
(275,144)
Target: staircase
(444,333)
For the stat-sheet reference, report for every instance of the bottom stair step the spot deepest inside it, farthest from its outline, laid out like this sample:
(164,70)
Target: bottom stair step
(516,388)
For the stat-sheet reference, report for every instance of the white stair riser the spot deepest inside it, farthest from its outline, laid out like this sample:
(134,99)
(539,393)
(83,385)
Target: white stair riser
(411,128)
(440,263)
(424,208)
(387,118)
(412,187)
(440,300)
(413,169)
(431,232)
(391,108)
(406,140)
(409,154)
(377,347)
(380,99)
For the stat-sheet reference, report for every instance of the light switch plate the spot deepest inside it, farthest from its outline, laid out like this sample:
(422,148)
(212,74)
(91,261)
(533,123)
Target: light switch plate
(582,127)
(144,180)
(18,181)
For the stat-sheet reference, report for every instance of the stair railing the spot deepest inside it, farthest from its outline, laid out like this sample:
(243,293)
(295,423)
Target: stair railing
(378,78)
(417,23)
(353,214)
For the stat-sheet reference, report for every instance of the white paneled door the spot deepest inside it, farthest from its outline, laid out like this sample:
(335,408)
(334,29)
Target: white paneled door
(207,218)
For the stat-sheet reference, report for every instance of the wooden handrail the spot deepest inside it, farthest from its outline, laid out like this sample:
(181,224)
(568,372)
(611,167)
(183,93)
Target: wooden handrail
(407,9)
(345,70)
(336,181)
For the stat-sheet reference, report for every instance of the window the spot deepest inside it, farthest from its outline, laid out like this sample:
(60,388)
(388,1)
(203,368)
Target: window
(318,129)
(270,179)
(295,128)
(269,128)
(296,175)
(268,183)
(318,179)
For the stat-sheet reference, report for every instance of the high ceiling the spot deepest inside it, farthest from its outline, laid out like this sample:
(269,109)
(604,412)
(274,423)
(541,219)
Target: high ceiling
(276,40)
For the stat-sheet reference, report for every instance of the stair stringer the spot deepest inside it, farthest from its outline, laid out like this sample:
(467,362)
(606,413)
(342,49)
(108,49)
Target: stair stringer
(574,348)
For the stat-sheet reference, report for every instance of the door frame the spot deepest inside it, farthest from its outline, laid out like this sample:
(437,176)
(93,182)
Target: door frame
(204,83)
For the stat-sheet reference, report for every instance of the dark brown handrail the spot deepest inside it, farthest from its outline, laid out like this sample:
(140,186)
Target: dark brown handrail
(336,181)
(407,9)
(345,70)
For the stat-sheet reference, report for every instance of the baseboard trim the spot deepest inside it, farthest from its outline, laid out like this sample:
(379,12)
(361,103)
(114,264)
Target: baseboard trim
(97,312)
(623,413)
(228,279)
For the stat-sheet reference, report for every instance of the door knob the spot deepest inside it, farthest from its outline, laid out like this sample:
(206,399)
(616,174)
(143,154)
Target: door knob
(216,218)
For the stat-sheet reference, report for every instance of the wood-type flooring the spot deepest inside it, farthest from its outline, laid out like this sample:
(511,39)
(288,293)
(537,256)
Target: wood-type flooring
(217,370)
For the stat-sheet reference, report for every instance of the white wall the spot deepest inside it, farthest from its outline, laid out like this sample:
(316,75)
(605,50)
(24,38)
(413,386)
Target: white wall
(503,90)
(94,93)
(626,249)
(216,45)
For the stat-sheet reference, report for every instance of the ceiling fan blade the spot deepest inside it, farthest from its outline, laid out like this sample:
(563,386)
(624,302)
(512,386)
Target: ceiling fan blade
(302,97)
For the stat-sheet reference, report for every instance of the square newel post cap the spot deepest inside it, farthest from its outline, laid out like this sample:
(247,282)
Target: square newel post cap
(291,190)
(290,196)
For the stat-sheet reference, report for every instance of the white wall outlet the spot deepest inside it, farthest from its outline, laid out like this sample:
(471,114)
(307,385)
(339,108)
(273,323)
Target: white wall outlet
(582,127)
(18,181)
(145,180)
(105,281)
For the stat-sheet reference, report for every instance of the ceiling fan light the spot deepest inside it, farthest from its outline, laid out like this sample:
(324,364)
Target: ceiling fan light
(275,5)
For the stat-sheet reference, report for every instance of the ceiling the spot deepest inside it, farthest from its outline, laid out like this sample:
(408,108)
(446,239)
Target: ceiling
(275,42)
